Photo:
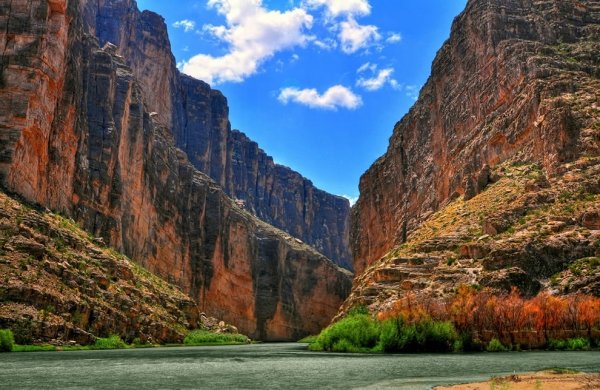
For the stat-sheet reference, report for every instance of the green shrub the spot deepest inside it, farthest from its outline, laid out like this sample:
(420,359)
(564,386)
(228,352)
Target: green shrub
(355,333)
(203,337)
(556,345)
(578,344)
(111,342)
(7,340)
(496,346)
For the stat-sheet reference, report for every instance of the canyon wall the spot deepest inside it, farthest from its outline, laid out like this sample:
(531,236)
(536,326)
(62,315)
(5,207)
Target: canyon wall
(79,134)
(517,79)
(199,119)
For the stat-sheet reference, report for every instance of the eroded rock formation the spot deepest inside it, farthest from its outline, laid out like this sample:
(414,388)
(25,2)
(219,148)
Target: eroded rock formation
(516,79)
(80,135)
(492,178)
(199,119)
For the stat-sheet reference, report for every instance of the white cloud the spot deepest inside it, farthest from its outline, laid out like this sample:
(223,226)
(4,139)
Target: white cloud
(354,36)
(341,7)
(367,66)
(393,38)
(324,44)
(335,97)
(375,83)
(351,199)
(186,25)
(254,34)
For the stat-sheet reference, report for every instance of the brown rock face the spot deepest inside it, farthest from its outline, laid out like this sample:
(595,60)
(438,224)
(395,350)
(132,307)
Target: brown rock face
(58,285)
(92,148)
(199,120)
(518,79)
(538,238)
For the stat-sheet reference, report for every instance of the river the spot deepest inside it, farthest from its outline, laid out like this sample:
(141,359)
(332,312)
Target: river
(267,366)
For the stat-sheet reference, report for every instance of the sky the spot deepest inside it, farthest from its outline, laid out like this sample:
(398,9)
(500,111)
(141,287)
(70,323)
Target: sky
(319,84)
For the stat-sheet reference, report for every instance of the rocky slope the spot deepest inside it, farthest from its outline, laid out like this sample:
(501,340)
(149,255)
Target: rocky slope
(517,82)
(525,230)
(58,284)
(78,135)
(198,119)
(516,78)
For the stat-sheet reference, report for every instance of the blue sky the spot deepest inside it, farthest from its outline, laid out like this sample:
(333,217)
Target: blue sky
(319,84)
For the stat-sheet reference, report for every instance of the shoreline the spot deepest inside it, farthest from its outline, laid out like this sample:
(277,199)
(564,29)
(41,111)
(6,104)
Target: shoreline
(549,379)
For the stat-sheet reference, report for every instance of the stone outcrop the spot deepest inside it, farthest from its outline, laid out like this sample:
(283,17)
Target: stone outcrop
(198,117)
(524,230)
(516,79)
(79,135)
(57,284)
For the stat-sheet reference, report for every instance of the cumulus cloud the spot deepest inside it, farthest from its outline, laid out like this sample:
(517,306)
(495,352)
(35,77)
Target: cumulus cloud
(354,36)
(342,7)
(335,97)
(253,34)
(383,77)
(393,38)
(185,24)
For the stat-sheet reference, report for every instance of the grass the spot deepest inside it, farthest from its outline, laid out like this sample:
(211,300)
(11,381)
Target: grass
(204,337)
(194,338)
(34,348)
(561,371)
(308,339)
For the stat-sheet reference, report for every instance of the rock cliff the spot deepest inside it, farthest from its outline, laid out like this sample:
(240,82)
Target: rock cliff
(199,120)
(491,179)
(58,284)
(516,79)
(80,135)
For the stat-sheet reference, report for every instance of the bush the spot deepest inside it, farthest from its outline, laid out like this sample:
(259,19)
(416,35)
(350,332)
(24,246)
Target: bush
(496,346)
(361,333)
(355,333)
(557,345)
(578,344)
(111,342)
(203,337)
(7,340)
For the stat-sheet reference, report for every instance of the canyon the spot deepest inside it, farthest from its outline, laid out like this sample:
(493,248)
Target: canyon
(492,178)
(84,134)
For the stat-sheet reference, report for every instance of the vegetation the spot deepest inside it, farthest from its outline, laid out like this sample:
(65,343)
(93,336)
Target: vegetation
(359,332)
(496,346)
(473,319)
(204,337)
(308,339)
(111,342)
(7,340)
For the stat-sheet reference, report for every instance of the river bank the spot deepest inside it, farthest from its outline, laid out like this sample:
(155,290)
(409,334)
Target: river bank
(543,380)
(269,366)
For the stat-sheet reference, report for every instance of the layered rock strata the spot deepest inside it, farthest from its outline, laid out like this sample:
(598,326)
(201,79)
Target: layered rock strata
(79,136)
(516,79)
(198,117)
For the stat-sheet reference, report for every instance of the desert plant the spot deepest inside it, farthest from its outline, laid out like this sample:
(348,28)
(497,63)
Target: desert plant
(7,340)
(496,346)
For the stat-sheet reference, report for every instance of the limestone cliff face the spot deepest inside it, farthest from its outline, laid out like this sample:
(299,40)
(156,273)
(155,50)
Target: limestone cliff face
(199,120)
(89,144)
(518,79)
